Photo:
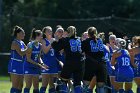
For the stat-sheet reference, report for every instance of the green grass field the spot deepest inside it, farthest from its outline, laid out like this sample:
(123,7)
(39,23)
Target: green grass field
(5,85)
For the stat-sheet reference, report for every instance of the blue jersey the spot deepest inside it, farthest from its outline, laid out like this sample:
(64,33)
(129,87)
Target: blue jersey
(35,53)
(124,72)
(16,61)
(107,58)
(137,62)
(14,54)
(107,53)
(137,59)
(123,62)
(50,57)
(94,49)
(111,51)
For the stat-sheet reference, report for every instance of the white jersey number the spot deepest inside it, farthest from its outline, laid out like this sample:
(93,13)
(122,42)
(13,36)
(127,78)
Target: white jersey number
(125,61)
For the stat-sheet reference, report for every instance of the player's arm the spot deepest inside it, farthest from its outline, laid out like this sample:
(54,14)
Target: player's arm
(113,61)
(16,47)
(41,63)
(45,48)
(132,58)
(39,57)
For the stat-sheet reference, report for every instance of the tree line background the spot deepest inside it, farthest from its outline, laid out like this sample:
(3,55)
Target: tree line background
(119,16)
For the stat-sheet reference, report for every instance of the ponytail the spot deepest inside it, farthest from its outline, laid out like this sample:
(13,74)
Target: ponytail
(32,37)
(35,33)
(71,31)
(92,32)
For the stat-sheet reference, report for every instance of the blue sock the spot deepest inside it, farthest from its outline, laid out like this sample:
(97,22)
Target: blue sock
(19,91)
(36,91)
(100,90)
(113,90)
(129,91)
(89,91)
(121,90)
(52,90)
(59,83)
(78,89)
(63,88)
(42,89)
(26,90)
(138,90)
(14,90)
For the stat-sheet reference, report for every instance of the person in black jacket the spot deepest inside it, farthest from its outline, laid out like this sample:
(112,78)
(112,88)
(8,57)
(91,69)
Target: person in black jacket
(94,50)
(74,65)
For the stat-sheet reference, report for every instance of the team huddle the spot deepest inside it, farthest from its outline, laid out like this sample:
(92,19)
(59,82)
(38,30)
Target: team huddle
(71,64)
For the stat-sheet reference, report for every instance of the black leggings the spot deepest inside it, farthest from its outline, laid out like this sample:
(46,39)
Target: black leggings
(74,70)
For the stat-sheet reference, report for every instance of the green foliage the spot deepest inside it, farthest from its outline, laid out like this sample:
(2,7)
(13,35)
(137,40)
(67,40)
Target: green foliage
(73,8)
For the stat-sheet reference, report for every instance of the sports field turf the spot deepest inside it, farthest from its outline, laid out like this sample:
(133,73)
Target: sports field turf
(5,85)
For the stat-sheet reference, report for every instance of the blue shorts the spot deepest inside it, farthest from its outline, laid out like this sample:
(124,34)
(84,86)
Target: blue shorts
(50,71)
(31,71)
(15,67)
(124,76)
(136,72)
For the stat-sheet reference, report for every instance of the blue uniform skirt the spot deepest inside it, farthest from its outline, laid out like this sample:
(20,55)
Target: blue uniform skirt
(15,67)
(53,66)
(124,75)
(31,69)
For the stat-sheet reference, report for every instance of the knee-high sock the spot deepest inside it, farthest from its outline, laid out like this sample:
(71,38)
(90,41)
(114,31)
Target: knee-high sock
(19,91)
(121,90)
(138,90)
(13,90)
(52,90)
(101,89)
(129,91)
(78,89)
(26,90)
(42,89)
(36,91)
